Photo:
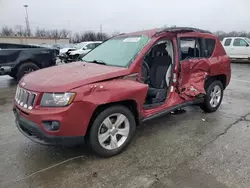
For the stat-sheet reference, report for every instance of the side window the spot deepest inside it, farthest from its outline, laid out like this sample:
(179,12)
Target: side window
(239,42)
(209,49)
(227,42)
(90,46)
(190,48)
(97,44)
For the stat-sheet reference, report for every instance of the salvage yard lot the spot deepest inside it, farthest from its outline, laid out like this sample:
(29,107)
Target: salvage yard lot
(189,150)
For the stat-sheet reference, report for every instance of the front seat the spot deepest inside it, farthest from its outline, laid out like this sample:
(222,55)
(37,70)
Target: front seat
(160,67)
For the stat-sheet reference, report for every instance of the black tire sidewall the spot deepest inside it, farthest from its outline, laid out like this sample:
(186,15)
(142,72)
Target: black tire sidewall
(13,74)
(23,67)
(206,106)
(93,134)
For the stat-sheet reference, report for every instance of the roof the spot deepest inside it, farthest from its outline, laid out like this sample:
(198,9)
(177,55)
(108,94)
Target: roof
(153,32)
(149,33)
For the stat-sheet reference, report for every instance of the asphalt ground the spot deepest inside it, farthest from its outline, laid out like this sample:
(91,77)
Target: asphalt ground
(189,150)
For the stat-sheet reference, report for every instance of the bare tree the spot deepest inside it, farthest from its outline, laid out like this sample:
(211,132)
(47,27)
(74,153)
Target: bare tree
(222,34)
(101,36)
(88,36)
(64,33)
(55,34)
(41,33)
(76,38)
(116,33)
(19,31)
(6,31)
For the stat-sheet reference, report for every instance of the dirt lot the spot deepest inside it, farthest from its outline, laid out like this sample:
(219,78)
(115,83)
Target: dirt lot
(190,150)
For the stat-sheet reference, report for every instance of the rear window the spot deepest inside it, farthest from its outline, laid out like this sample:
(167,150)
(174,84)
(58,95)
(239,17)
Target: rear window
(210,44)
(227,42)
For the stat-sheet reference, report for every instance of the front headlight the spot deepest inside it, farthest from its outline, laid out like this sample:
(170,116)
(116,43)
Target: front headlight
(56,99)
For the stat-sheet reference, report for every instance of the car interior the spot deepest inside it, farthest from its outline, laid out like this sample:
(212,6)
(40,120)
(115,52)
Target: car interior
(157,71)
(189,48)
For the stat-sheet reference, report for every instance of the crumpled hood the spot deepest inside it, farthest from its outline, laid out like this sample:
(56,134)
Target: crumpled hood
(64,50)
(63,78)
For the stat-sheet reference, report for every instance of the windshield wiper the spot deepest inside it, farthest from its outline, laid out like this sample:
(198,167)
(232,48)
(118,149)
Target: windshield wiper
(97,62)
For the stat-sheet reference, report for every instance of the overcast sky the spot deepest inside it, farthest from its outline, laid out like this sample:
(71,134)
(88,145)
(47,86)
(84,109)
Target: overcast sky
(127,15)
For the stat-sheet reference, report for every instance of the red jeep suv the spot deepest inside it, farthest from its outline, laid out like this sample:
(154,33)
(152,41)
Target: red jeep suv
(130,78)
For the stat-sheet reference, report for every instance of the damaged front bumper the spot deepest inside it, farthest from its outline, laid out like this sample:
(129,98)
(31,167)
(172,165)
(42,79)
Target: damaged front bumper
(35,133)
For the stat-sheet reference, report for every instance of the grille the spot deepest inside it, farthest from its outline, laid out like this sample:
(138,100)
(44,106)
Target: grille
(25,98)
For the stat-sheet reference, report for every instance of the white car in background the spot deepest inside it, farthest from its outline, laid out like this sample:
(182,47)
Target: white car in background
(237,48)
(66,47)
(83,48)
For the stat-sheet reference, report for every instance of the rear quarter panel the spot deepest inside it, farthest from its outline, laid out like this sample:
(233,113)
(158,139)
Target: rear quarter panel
(220,62)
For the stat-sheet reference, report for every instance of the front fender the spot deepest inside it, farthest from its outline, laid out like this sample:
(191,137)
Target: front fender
(111,91)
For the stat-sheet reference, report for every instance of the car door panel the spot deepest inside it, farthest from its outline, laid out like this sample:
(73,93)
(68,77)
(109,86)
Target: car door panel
(192,77)
(239,51)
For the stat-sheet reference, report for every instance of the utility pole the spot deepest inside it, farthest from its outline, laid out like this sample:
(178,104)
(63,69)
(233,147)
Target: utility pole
(27,20)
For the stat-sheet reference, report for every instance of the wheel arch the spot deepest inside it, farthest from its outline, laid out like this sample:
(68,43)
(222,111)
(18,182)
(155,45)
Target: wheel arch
(28,61)
(130,104)
(15,68)
(222,78)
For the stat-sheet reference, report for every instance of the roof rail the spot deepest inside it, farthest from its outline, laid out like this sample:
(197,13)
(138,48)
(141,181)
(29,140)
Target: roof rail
(182,29)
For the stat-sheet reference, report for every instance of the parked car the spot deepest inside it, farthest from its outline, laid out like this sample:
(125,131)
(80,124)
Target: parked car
(237,48)
(62,46)
(16,60)
(82,49)
(67,55)
(66,48)
(130,78)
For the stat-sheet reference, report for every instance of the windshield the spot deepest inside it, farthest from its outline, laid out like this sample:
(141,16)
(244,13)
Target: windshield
(117,51)
(248,40)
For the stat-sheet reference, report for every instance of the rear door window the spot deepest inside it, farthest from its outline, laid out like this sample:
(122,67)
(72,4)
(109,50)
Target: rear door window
(239,42)
(190,48)
(227,42)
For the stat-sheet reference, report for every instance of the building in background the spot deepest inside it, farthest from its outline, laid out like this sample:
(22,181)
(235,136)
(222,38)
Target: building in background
(33,40)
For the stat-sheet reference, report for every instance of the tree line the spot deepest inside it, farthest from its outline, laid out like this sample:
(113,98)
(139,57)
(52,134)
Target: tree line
(222,34)
(54,34)
(86,36)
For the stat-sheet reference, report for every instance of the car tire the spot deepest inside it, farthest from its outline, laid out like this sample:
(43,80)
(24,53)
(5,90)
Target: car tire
(213,97)
(25,68)
(107,142)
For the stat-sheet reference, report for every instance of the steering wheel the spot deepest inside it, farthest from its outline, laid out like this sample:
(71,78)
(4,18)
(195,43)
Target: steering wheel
(145,72)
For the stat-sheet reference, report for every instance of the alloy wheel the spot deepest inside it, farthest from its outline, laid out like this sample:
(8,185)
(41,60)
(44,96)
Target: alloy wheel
(215,96)
(113,131)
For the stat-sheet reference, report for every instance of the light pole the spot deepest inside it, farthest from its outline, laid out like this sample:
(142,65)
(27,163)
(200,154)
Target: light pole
(27,20)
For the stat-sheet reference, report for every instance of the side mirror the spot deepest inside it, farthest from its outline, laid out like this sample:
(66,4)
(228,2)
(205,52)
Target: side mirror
(247,45)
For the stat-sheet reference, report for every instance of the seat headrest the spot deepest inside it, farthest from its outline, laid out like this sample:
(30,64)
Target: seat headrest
(162,49)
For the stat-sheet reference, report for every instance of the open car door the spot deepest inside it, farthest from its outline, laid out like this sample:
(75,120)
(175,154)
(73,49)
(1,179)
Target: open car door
(193,69)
